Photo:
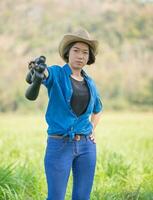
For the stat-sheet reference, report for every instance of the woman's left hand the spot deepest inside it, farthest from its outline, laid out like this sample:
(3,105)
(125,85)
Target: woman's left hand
(92,138)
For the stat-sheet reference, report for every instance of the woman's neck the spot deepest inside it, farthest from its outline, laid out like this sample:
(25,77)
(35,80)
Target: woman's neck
(76,73)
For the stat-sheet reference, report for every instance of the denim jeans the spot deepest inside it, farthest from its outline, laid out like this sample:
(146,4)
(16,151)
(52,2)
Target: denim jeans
(62,155)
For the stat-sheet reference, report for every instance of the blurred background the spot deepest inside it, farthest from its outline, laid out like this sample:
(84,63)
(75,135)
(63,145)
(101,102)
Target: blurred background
(124,67)
(123,73)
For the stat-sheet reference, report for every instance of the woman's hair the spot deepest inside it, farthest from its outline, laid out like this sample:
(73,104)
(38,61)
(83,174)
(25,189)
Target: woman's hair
(92,57)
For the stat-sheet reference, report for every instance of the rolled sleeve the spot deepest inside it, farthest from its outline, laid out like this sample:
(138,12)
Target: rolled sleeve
(98,105)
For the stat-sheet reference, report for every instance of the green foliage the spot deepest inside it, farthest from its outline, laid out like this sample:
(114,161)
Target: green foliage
(18,182)
(124,157)
(144,94)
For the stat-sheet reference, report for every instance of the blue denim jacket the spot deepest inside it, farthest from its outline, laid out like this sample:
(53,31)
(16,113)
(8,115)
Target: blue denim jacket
(59,115)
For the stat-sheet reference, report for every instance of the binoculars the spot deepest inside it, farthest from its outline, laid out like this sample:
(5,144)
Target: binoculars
(38,65)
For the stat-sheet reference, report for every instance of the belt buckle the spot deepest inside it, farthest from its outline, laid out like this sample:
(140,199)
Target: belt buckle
(77,137)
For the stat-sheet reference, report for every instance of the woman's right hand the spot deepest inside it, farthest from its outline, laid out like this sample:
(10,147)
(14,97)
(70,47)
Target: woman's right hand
(92,137)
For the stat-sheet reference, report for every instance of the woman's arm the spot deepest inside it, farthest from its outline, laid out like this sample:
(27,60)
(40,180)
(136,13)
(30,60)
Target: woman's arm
(94,120)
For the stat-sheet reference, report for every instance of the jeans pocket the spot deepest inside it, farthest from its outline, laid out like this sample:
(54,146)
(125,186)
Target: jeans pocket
(55,144)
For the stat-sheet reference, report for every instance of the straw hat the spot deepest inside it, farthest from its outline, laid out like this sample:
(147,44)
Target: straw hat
(80,35)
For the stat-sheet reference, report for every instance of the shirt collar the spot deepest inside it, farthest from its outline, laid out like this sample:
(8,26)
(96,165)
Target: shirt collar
(68,70)
(84,73)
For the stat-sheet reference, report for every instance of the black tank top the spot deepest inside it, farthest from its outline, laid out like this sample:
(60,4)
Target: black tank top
(80,97)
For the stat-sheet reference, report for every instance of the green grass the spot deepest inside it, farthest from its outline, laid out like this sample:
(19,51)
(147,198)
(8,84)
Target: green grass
(124,148)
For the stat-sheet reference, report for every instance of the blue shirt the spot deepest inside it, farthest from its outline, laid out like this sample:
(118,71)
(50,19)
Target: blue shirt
(59,115)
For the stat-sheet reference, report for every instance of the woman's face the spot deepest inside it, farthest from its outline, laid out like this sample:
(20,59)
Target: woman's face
(78,55)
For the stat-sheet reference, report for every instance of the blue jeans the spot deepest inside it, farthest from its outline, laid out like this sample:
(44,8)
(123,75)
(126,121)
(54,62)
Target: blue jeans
(62,155)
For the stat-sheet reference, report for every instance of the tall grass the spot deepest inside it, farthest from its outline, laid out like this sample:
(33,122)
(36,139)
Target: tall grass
(124,168)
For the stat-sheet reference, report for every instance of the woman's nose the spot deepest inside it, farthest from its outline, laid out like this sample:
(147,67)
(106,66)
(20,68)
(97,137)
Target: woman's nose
(80,56)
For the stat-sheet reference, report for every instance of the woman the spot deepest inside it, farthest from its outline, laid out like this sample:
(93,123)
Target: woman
(73,112)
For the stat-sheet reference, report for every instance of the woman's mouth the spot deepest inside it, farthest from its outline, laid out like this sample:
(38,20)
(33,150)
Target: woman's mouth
(79,62)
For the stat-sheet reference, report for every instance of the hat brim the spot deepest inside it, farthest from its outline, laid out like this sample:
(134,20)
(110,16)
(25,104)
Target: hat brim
(70,38)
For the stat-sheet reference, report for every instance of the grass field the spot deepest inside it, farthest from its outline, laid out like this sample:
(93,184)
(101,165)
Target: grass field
(125,157)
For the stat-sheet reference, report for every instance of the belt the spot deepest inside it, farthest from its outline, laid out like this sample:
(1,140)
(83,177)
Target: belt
(77,137)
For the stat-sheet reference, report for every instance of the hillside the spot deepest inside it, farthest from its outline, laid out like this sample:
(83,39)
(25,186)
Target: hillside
(124,67)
